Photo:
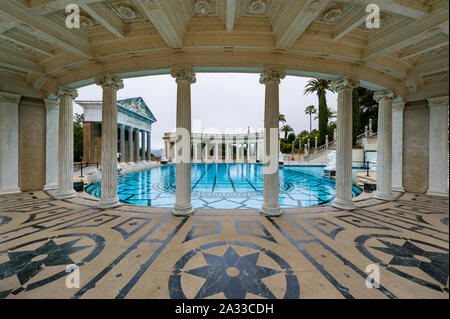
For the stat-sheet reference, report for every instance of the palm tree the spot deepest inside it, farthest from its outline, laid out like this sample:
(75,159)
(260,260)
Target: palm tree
(286,129)
(281,118)
(310,110)
(319,87)
(331,113)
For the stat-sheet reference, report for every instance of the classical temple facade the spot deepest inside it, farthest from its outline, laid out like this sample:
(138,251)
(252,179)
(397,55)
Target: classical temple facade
(134,124)
(404,58)
(219,147)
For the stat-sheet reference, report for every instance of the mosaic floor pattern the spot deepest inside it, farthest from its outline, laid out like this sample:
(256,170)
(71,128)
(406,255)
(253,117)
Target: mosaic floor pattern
(144,252)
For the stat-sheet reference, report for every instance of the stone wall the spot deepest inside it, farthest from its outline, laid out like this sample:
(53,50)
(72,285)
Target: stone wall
(32,144)
(415,146)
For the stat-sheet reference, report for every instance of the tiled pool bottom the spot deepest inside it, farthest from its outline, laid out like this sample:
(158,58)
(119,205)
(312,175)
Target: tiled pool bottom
(228,186)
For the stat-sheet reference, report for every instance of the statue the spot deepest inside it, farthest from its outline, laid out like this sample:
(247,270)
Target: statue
(163,157)
(330,169)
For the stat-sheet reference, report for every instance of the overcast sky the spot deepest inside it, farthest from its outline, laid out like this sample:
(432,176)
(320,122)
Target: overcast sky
(220,101)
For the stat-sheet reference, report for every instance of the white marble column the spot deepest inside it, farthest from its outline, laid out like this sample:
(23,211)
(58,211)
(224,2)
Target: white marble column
(216,150)
(343,198)
(137,149)
(271,78)
(110,86)
(65,143)
(195,147)
(9,143)
(238,149)
(205,151)
(184,77)
(149,145)
(397,146)
(169,151)
(143,146)
(384,150)
(248,152)
(51,144)
(122,143)
(438,158)
(130,145)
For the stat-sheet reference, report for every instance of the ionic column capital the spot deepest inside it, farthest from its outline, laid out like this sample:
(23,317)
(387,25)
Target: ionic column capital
(272,73)
(65,92)
(343,83)
(10,97)
(51,104)
(438,101)
(383,95)
(398,106)
(183,73)
(109,81)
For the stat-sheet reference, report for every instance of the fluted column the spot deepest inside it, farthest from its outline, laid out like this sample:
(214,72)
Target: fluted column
(438,160)
(65,143)
(51,144)
(137,158)
(271,79)
(130,145)
(169,151)
(122,143)
(217,151)
(344,87)
(195,147)
(9,143)
(110,86)
(397,146)
(149,145)
(143,145)
(384,150)
(184,77)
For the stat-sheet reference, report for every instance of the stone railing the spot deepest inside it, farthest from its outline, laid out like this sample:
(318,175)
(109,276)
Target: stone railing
(321,150)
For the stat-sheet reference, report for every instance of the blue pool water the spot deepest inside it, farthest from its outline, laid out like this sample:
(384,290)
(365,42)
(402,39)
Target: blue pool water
(230,186)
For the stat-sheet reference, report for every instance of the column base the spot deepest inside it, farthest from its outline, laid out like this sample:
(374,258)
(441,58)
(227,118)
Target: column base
(271,211)
(65,195)
(108,203)
(50,187)
(398,189)
(345,205)
(437,192)
(182,210)
(9,190)
(383,196)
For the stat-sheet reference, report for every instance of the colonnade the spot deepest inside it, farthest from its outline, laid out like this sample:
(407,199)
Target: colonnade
(136,153)
(271,78)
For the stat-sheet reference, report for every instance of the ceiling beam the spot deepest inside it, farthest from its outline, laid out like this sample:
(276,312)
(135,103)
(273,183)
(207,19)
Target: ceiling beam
(164,20)
(100,12)
(425,46)
(405,36)
(16,37)
(347,25)
(430,66)
(305,13)
(230,18)
(19,63)
(47,30)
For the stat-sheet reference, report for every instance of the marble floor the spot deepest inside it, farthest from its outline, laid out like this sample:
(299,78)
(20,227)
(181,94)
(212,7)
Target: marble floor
(144,252)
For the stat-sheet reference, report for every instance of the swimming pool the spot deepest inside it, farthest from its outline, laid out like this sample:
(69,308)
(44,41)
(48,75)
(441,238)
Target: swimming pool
(229,186)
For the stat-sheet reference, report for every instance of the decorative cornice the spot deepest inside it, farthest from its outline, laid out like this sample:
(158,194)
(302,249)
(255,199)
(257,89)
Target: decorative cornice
(383,95)
(67,92)
(51,104)
(109,81)
(343,83)
(183,73)
(438,101)
(272,73)
(6,97)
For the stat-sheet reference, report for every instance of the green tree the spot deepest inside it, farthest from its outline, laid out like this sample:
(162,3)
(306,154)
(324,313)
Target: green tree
(78,137)
(310,110)
(356,114)
(368,108)
(286,129)
(319,87)
(291,137)
(281,118)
